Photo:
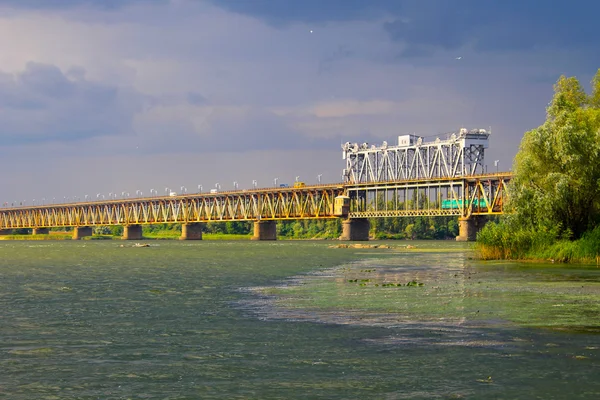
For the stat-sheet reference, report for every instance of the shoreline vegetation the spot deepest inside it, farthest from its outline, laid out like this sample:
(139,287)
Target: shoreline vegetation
(553,212)
(501,243)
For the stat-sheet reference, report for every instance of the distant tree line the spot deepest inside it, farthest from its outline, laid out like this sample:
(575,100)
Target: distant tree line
(381,228)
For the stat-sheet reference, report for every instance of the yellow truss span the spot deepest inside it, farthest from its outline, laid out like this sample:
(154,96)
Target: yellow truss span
(275,204)
(477,195)
(473,195)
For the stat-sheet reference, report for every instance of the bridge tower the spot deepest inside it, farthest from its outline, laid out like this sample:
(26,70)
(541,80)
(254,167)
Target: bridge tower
(461,154)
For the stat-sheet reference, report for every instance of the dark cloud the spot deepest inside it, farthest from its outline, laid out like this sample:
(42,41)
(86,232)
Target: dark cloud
(196,99)
(42,104)
(426,25)
(326,64)
(227,130)
(221,130)
(498,26)
(62,4)
(283,12)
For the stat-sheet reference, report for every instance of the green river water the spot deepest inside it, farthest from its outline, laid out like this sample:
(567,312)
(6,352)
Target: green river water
(285,320)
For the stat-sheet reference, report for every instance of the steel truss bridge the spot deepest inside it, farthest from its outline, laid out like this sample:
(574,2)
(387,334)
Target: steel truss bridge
(414,178)
(467,196)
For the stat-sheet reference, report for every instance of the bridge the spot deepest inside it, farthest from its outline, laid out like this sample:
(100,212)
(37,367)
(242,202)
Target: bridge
(414,178)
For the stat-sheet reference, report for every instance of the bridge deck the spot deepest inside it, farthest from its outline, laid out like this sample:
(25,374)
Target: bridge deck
(471,195)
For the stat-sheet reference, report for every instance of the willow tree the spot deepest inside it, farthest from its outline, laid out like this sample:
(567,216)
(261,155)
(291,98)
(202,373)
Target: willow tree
(557,168)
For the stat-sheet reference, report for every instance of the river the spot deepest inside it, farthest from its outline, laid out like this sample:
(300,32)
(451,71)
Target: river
(285,320)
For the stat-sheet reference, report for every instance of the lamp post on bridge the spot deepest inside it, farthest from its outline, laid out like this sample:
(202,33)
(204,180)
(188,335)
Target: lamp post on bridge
(235,185)
(319,178)
(183,190)
(275,181)
(254,183)
(297,178)
(139,193)
(496,162)
(199,188)
(218,186)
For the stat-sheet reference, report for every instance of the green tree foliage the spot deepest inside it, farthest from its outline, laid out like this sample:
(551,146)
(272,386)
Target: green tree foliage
(557,168)
(595,97)
(555,193)
(116,230)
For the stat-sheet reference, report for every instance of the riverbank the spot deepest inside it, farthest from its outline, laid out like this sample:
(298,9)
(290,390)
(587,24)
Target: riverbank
(501,241)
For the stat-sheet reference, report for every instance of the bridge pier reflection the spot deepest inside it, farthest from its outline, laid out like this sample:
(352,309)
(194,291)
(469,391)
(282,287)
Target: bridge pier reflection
(356,229)
(265,230)
(132,232)
(191,231)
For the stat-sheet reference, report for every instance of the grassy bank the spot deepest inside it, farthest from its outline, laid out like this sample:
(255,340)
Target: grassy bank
(505,241)
(50,236)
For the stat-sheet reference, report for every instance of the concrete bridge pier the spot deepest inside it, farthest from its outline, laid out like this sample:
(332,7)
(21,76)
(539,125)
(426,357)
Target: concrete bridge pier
(79,232)
(265,230)
(40,231)
(355,229)
(468,228)
(191,231)
(132,232)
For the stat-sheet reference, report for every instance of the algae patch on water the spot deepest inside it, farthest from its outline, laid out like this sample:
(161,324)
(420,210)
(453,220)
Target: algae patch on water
(38,351)
(453,290)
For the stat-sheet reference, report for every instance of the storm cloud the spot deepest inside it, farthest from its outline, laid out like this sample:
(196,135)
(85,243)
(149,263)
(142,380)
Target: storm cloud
(63,4)
(41,103)
(143,94)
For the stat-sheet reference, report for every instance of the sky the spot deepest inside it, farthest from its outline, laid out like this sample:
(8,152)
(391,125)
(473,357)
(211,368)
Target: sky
(102,97)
